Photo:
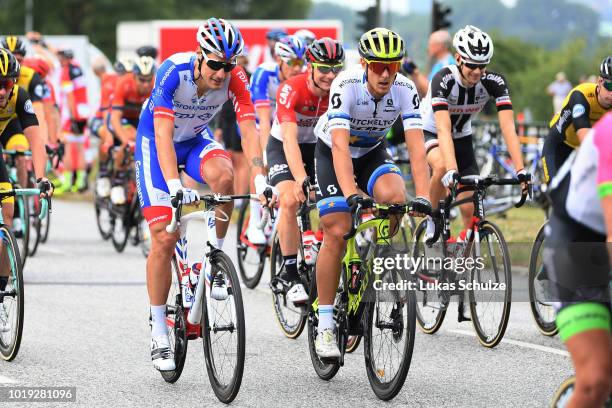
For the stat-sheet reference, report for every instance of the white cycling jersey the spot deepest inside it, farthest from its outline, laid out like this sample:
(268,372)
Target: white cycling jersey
(368,120)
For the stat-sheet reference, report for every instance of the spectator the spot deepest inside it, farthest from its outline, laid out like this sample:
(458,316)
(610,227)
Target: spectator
(559,90)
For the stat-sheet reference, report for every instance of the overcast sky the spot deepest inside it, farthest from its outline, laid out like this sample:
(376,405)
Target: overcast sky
(399,6)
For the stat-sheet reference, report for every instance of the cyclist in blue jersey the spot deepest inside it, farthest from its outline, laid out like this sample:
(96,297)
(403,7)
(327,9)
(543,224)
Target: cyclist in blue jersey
(189,90)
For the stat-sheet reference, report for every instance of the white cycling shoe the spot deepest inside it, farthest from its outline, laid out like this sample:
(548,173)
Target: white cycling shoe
(326,344)
(161,353)
(297,294)
(255,235)
(103,187)
(117,195)
(218,290)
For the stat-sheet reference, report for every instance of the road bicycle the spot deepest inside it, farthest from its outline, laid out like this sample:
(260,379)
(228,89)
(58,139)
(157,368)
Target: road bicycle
(385,319)
(12,290)
(21,215)
(479,266)
(220,323)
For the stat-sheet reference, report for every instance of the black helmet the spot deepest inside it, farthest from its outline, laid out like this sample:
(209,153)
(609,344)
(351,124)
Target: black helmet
(14,44)
(9,66)
(325,50)
(605,70)
(147,51)
(66,53)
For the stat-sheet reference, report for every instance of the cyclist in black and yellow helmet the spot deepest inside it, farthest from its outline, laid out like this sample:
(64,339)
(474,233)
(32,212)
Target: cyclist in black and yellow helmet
(18,125)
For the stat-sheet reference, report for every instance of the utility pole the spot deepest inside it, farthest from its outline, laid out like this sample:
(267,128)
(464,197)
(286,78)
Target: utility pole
(29,19)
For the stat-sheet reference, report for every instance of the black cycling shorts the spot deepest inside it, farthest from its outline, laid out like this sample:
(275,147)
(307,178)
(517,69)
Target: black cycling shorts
(367,170)
(278,169)
(231,137)
(554,153)
(464,153)
(577,263)
(124,122)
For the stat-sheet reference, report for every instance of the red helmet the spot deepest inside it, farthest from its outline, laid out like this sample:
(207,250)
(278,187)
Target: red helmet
(37,64)
(326,51)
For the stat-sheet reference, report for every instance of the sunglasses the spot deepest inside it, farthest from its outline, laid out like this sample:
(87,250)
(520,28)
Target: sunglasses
(326,69)
(294,62)
(217,65)
(378,67)
(607,85)
(473,67)
(7,83)
(144,79)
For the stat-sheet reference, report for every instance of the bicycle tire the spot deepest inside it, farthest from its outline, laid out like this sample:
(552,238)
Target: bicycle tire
(243,250)
(487,340)
(120,242)
(35,225)
(100,206)
(178,330)
(353,343)
(388,390)
(10,349)
(44,228)
(22,211)
(279,300)
(436,314)
(547,328)
(225,392)
(326,370)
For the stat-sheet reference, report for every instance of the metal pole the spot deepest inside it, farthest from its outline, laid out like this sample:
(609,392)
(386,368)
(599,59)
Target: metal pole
(378,13)
(29,20)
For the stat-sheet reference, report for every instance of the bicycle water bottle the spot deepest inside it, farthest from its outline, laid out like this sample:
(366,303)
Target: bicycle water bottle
(357,273)
(187,291)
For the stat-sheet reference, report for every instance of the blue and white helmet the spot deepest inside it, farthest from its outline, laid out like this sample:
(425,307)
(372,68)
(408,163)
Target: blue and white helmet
(220,37)
(290,47)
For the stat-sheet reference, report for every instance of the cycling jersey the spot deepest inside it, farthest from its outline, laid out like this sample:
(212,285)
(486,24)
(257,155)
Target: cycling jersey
(446,93)
(126,97)
(174,96)
(367,119)
(264,84)
(32,82)
(18,108)
(73,81)
(298,105)
(107,84)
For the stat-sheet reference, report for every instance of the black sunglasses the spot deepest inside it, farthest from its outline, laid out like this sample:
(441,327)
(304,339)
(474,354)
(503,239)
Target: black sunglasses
(607,85)
(475,66)
(217,65)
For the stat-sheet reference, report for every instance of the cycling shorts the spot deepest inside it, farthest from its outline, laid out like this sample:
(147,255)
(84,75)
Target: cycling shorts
(94,125)
(13,137)
(464,152)
(367,169)
(578,267)
(153,191)
(277,162)
(125,122)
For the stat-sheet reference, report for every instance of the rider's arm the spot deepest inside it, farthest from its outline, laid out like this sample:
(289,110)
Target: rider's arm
(245,116)
(116,111)
(604,170)
(261,101)
(581,110)
(343,164)
(286,97)
(38,91)
(164,131)
(441,85)
(31,130)
(68,89)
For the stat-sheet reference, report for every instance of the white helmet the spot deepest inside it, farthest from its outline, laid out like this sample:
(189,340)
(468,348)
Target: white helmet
(473,45)
(306,35)
(144,66)
(290,47)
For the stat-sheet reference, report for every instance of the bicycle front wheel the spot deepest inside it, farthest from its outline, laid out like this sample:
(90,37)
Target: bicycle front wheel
(491,294)
(251,257)
(44,228)
(223,331)
(35,224)
(540,288)
(21,225)
(177,325)
(388,343)
(12,298)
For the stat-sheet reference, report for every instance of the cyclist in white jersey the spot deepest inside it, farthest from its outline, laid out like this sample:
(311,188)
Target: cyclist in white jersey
(173,130)
(289,53)
(456,93)
(350,157)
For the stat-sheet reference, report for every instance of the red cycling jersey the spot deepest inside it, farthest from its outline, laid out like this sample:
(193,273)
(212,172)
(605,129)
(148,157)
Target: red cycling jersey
(126,97)
(107,83)
(295,103)
(73,81)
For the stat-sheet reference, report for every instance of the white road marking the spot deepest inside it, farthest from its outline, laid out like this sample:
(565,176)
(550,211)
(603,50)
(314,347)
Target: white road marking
(6,380)
(53,251)
(520,344)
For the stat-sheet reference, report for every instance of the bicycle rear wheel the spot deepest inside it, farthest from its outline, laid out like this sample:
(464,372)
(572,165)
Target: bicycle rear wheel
(540,298)
(12,298)
(388,343)
(431,304)
(177,325)
(290,318)
(223,331)
(326,370)
(121,227)
(251,257)
(104,218)
(490,305)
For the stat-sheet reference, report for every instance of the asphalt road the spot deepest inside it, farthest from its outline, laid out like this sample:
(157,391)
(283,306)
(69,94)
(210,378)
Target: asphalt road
(86,325)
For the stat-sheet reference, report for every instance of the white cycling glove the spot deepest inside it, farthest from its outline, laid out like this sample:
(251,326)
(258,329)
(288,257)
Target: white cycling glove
(449,178)
(189,195)
(261,184)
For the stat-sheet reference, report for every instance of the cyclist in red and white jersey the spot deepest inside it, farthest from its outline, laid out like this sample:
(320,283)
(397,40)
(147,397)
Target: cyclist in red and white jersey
(301,101)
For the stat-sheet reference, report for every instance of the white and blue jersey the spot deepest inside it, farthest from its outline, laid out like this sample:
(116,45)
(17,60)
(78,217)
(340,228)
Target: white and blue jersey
(264,84)
(174,97)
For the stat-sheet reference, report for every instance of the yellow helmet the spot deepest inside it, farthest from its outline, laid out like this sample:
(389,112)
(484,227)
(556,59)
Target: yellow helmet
(9,67)
(381,44)
(14,44)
